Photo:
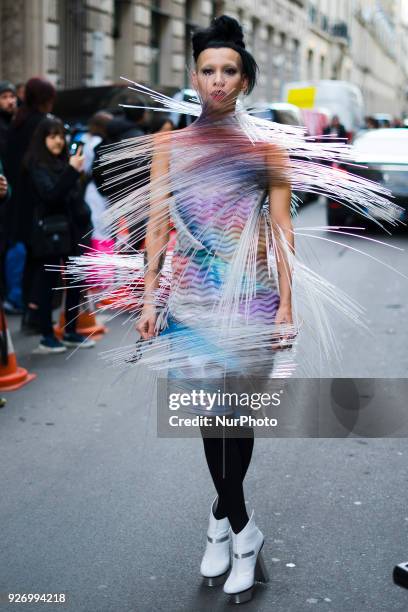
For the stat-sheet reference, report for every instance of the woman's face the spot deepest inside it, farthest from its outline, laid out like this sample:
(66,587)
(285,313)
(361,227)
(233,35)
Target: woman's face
(218,78)
(55,143)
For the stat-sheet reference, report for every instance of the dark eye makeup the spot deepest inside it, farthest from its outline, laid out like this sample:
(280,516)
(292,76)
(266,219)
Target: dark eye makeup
(229,70)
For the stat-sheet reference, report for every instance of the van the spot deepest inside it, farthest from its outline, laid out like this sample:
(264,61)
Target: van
(337,97)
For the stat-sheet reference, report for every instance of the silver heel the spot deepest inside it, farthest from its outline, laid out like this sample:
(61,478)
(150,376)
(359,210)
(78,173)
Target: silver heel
(215,580)
(243,596)
(261,573)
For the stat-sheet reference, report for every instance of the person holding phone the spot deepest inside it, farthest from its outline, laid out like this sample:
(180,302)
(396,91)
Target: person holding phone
(59,222)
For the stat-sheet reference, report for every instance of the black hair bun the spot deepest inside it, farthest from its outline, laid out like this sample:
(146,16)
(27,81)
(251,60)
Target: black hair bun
(223,29)
(227,29)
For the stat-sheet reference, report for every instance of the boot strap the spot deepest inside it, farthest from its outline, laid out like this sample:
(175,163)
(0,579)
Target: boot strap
(217,540)
(244,555)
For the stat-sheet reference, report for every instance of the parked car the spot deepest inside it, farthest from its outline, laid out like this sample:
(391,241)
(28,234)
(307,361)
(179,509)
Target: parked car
(384,119)
(279,112)
(180,120)
(383,155)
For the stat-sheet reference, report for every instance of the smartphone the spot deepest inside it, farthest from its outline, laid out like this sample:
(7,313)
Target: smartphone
(74,146)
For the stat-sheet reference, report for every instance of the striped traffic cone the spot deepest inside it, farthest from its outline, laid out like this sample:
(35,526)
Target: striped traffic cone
(12,377)
(86,323)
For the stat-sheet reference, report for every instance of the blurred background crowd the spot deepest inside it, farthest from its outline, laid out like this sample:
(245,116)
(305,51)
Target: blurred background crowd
(52,197)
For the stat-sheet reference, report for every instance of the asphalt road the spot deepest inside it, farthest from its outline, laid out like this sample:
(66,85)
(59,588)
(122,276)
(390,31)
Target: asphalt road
(96,506)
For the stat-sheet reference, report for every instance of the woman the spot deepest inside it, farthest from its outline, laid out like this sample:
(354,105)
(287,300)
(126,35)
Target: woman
(223,71)
(59,219)
(222,310)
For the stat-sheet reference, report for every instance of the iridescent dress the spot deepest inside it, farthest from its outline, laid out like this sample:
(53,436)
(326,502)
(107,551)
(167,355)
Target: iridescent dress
(224,293)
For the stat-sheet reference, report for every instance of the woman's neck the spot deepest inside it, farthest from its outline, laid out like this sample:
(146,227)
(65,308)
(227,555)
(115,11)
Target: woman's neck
(217,114)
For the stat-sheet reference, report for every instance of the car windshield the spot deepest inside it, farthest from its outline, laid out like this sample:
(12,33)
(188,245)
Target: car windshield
(286,116)
(387,142)
(278,115)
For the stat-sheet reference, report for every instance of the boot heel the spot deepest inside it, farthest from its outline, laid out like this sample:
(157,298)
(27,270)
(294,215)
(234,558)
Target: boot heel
(261,573)
(215,580)
(243,596)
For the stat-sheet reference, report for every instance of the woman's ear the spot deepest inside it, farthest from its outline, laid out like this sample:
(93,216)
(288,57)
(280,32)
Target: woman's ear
(245,83)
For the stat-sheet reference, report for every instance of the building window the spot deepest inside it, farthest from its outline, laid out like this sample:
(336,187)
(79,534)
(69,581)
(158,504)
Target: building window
(72,19)
(254,38)
(159,26)
(322,67)
(296,60)
(310,60)
(190,17)
(218,7)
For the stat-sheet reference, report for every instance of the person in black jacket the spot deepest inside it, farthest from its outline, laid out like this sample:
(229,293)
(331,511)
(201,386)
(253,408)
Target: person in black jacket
(39,100)
(335,129)
(4,197)
(131,125)
(8,106)
(60,222)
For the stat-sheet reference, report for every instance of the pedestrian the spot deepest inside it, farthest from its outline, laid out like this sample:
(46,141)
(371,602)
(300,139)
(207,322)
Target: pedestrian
(4,198)
(335,129)
(96,201)
(57,223)
(39,100)
(8,107)
(132,125)
(20,92)
(160,123)
(371,123)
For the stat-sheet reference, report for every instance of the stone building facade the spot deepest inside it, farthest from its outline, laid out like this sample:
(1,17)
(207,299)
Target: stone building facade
(94,42)
(360,41)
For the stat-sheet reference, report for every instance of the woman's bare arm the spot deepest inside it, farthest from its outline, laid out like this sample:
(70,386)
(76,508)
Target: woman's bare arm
(281,223)
(157,235)
(280,194)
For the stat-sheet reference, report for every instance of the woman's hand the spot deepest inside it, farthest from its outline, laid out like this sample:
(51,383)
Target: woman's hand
(3,186)
(77,160)
(284,318)
(147,322)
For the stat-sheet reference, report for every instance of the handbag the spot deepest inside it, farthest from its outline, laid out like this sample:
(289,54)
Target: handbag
(51,235)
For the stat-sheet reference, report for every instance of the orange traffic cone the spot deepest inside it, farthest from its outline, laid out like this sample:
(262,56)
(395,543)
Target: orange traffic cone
(12,377)
(86,323)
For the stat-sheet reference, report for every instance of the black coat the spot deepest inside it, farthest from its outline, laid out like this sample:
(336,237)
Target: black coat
(57,191)
(4,202)
(119,129)
(5,123)
(18,140)
(340,131)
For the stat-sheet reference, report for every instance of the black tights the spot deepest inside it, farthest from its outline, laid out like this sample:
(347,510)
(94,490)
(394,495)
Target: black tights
(228,460)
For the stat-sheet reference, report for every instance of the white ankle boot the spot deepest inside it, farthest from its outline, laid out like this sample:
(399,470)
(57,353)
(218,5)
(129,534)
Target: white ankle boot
(216,560)
(247,563)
